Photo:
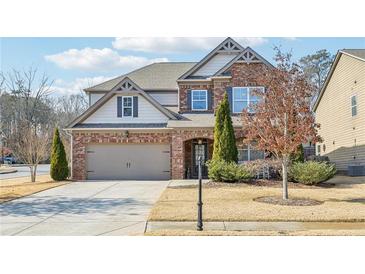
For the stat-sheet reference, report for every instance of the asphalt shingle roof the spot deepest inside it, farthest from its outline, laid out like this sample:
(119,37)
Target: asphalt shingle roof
(157,76)
(356,52)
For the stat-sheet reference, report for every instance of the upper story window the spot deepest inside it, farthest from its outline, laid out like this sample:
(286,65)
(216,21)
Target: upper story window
(127,106)
(243,97)
(199,100)
(353,106)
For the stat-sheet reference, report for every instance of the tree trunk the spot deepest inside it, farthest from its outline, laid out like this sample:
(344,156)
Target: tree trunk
(33,173)
(285,177)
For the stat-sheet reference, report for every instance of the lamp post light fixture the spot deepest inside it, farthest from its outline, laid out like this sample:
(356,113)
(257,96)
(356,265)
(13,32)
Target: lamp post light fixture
(200,203)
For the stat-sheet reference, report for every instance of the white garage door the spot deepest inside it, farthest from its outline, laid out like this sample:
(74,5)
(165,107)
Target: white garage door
(128,162)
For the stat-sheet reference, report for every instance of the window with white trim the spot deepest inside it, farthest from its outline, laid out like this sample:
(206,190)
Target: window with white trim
(249,153)
(243,97)
(199,100)
(353,106)
(127,106)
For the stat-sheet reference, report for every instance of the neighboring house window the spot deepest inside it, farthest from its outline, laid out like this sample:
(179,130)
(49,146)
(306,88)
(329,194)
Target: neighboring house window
(353,106)
(199,100)
(243,97)
(127,106)
(249,153)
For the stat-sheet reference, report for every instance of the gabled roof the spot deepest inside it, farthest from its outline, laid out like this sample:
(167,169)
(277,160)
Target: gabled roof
(354,53)
(228,45)
(359,53)
(157,76)
(247,56)
(126,85)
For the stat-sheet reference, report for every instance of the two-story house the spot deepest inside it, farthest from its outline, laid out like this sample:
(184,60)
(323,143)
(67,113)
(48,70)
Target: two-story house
(155,122)
(340,110)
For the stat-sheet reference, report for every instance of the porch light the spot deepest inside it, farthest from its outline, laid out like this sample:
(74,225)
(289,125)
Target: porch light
(200,141)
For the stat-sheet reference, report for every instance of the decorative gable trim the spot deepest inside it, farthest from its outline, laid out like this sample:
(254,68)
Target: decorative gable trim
(126,86)
(228,46)
(247,56)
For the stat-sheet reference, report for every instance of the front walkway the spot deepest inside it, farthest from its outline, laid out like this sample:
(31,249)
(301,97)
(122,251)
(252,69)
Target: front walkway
(83,208)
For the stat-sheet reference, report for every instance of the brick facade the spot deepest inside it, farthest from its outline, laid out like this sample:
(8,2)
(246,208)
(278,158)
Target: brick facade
(82,139)
(242,75)
(183,94)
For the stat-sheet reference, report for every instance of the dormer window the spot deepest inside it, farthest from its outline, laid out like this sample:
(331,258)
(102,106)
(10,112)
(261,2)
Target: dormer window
(127,106)
(199,100)
(243,97)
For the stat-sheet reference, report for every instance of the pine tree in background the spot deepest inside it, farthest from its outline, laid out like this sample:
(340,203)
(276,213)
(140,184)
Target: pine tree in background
(299,155)
(59,166)
(224,139)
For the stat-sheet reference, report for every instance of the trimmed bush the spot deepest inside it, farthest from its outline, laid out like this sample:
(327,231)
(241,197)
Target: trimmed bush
(311,172)
(59,167)
(230,172)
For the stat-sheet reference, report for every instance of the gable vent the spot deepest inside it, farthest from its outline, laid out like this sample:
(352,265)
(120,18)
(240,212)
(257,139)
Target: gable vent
(128,86)
(249,57)
(229,46)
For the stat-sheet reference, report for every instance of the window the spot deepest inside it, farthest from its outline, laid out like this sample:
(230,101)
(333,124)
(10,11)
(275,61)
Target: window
(127,106)
(353,106)
(249,153)
(243,97)
(199,100)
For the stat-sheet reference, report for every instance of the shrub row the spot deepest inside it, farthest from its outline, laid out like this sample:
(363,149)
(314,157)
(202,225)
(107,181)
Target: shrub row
(310,172)
(230,172)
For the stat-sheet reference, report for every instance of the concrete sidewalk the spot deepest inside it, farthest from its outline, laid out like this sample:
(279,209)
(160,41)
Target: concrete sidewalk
(255,226)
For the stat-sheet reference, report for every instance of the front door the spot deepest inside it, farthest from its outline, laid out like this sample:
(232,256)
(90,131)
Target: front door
(199,150)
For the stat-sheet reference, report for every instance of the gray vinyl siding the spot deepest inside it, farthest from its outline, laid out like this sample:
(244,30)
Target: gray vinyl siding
(215,64)
(107,113)
(165,98)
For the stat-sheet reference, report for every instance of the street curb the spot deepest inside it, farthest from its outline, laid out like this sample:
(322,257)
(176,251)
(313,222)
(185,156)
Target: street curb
(152,226)
(8,171)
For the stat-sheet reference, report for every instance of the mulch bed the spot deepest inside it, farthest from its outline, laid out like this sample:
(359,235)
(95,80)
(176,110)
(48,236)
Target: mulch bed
(279,184)
(276,200)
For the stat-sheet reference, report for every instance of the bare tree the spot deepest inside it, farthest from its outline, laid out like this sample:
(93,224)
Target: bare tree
(27,123)
(32,146)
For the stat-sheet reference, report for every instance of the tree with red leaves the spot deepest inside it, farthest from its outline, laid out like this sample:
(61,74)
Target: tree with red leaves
(282,118)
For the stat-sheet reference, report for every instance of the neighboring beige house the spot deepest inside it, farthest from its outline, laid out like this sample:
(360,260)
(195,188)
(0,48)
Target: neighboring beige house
(340,110)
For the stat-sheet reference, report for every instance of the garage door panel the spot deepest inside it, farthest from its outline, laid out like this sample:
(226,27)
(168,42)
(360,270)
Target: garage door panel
(128,162)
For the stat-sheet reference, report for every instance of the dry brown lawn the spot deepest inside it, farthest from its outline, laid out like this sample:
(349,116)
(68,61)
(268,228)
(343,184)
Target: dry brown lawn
(224,203)
(353,232)
(11,189)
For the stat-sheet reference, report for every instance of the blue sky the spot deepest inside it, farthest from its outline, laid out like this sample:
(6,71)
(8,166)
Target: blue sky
(75,63)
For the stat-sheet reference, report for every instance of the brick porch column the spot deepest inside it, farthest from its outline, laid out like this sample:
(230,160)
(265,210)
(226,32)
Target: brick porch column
(78,159)
(177,156)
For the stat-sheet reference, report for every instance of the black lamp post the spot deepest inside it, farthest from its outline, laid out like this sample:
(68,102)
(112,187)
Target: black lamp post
(200,203)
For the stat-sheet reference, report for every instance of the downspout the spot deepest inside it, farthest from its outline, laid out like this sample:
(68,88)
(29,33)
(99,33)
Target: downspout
(71,152)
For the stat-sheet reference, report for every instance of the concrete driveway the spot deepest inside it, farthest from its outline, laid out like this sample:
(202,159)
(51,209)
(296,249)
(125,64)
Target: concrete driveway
(83,208)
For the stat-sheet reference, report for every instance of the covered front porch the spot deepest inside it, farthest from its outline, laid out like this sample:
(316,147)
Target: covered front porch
(194,149)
